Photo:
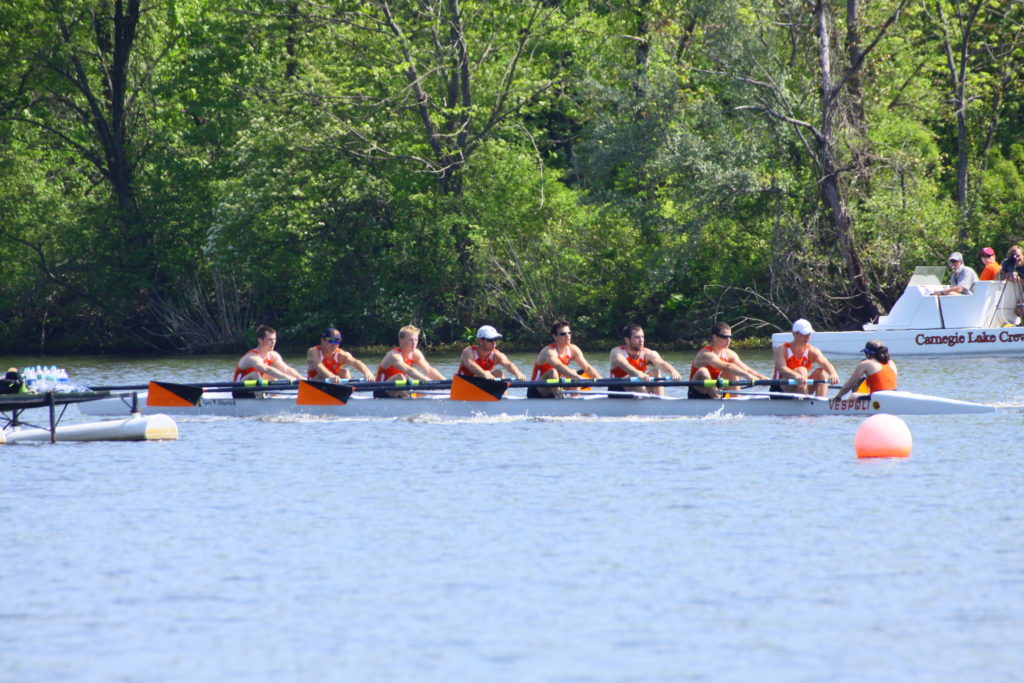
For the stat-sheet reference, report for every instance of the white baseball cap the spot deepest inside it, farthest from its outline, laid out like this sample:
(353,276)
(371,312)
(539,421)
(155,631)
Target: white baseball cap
(803,327)
(487,332)
(956,256)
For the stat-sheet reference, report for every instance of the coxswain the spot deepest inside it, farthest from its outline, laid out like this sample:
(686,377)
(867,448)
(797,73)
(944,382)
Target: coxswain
(797,360)
(877,371)
(554,359)
(633,359)
(718,361)
(327,361)
(483,359)
(264,362)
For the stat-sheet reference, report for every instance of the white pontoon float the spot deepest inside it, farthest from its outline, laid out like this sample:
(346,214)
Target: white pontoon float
(16,409)
(920,323)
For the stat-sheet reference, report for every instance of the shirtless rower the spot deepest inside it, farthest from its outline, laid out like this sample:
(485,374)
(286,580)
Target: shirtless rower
(796,360)
(718,361)
(633,359)
(553,362)
(483,358)
(405,361)
(264,362)
(327,360)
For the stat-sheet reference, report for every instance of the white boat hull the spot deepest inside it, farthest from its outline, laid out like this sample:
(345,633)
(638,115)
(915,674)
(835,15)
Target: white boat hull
(939,342)
(893,402)
(157,427)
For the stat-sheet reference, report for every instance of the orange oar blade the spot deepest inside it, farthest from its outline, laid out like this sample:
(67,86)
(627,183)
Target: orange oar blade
(170,395)
(476,389)
(314,393)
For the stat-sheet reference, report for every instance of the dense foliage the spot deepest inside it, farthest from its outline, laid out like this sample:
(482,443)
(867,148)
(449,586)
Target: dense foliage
(175,172)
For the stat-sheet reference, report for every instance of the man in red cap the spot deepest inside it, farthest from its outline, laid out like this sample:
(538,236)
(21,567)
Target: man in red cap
(988,259)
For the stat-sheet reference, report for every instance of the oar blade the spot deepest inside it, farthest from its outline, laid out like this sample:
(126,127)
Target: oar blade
(314,393)
(472,388)
(171,395)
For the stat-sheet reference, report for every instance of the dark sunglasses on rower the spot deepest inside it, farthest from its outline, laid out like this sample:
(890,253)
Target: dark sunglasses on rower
(564,334)
(723,336)
(333,341)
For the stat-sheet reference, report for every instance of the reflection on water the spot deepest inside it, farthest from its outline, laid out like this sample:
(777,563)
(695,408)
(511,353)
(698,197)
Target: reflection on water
(497,548)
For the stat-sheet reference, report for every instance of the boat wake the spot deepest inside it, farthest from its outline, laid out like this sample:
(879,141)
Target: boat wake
(503,418)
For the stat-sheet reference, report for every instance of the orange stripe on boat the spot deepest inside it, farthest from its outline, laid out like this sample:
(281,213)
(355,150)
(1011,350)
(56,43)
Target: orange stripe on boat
(314,393)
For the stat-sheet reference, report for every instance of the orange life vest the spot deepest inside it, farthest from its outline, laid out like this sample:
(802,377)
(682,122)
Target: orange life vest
(714,372)
(638,363)
(485,363)
(793,361)
(384,374)
(243,375)
(539,370)
(333,363)
(884,379)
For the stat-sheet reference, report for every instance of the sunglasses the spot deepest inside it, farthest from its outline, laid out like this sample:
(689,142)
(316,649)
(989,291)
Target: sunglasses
(723,336)
(563,334)
(953,260)
(332,341)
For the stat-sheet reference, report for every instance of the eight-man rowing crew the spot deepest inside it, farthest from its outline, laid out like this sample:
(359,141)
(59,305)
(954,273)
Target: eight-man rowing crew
(798,361)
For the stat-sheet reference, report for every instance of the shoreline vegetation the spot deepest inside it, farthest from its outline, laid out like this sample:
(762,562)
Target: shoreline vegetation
(171,179)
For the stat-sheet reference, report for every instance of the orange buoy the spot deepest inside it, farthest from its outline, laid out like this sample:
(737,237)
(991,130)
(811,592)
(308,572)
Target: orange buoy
(883,436)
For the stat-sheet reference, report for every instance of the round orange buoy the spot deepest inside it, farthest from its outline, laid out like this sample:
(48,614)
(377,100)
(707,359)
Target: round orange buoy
(883,436)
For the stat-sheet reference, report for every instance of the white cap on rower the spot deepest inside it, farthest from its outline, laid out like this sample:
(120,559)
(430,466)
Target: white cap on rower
(956,256)
(803,327)
(487,332)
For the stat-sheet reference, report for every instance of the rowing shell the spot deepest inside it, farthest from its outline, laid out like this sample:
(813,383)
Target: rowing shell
(222,404)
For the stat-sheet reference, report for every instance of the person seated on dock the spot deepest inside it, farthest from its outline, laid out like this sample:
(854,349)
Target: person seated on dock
(553,362)
(633,359)
(718,361)
(961,277)
(877,372)
(796,360)
(264,362)
(327,360)
(403,362)
(990,267)
(483,358)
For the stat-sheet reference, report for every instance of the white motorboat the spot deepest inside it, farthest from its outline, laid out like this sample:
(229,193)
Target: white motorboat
(920,323)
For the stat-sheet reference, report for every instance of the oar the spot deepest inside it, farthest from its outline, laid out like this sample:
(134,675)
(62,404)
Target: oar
(253,384)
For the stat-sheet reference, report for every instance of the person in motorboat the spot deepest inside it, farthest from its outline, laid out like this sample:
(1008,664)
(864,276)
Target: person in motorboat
(1013,265)
(961,277)
(797,360)
(327,361)
(717,360)
(553,362)
(990,267)
(877,371)
(483,359)
(633,359)
(264,362)
(405,361)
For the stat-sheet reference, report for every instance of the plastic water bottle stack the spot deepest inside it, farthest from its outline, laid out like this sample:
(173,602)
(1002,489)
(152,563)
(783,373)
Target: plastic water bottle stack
(46,378)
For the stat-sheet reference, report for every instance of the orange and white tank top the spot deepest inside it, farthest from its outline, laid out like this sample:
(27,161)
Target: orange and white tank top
(714,372)
(539,370)
(638,363)
(485,363)
(384,374)
(884,379)
(793,361)
(249,373)
(333,363)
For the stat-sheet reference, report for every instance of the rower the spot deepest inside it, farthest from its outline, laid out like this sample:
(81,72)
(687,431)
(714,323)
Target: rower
(405,361)
(264,362)
(327,360)
(795,360)
(877,370)
(633,359)
(716,361)
(554,359)
(483,358)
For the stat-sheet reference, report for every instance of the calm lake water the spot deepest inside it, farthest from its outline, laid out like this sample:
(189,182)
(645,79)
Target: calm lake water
(516,549)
